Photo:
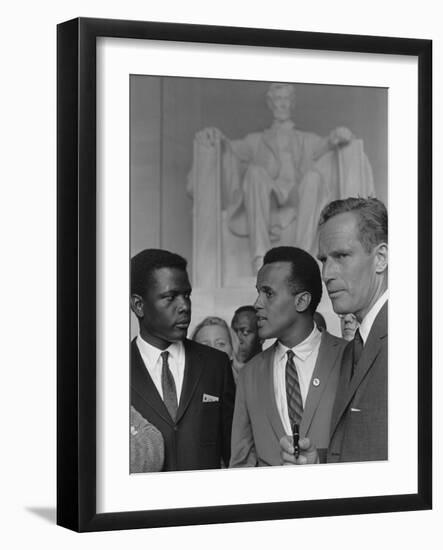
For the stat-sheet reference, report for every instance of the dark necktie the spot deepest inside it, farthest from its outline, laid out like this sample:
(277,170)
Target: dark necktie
(293,393)
(168,387)
(357,348)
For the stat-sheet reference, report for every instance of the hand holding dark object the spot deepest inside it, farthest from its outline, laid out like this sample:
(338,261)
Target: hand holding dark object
(296,439)
(307,452)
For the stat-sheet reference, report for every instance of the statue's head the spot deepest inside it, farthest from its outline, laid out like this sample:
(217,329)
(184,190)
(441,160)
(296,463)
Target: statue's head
(281,100)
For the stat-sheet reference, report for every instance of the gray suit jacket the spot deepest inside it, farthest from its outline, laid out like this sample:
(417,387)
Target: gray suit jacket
(359,429)
(257,427)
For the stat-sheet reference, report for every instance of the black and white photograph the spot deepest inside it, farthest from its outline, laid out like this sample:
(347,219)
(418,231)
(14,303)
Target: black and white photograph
(227,195)
(259,273)
(167,181)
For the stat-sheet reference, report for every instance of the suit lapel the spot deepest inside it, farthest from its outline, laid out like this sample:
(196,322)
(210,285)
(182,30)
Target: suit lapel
(193,371)
(373,345)
(341,399)
(267,393)
(324,366)
(143,384)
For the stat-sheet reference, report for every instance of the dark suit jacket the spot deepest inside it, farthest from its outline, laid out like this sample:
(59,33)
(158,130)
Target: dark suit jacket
(359,429)
(201,435)
(257,427)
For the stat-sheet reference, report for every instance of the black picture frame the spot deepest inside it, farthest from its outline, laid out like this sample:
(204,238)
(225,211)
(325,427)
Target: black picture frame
(76,265)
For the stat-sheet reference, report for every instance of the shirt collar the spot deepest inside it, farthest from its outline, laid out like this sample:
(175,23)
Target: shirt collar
(368,321)
(151,354)
(304,349)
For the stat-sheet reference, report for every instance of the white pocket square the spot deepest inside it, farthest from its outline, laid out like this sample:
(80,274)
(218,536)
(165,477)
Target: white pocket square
(355,410)
(207,398)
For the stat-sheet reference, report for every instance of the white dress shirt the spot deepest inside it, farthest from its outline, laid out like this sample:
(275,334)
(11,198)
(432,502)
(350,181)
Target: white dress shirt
(368,321)
(153,362)
(305,357)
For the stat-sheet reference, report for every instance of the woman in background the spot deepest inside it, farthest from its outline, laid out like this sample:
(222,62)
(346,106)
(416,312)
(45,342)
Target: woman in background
(215,333)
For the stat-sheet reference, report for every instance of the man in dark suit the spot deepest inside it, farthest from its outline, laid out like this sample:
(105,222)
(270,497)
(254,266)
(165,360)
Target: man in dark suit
(184,389)
(353,248)
(295,380)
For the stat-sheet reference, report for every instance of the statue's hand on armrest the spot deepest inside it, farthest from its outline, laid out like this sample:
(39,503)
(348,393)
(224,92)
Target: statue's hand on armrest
(209,137)
(340,136)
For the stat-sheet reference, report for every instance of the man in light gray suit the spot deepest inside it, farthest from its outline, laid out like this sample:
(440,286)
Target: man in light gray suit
(295,381)
(353,248)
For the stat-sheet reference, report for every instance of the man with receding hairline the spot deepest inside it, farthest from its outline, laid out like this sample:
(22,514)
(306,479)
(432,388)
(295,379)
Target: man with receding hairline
(353,248)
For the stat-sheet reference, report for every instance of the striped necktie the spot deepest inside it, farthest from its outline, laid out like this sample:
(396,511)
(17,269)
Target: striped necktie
(293,393)
(168,387)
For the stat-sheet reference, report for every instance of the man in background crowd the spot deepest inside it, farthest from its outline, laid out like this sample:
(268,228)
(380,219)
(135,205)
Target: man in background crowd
(247,341)
(349,325)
